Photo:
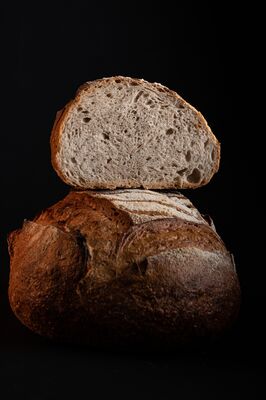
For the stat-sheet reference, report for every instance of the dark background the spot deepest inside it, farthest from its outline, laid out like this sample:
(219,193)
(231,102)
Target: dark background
(204,52)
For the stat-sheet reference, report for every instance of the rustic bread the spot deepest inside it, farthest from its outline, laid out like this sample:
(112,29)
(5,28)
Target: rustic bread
(122,267)
(123,132)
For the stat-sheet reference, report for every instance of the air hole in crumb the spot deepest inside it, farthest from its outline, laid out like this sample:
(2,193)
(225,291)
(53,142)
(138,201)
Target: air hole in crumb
(161,89)
(145,95)
(162,167)
(86,119)
(138,96)
(119,87)
(133,83)
(213,154)
(85,112)
(109,159)
(118,80)
(206,143)
(175,116)
(193,142)
(137,118)
(174,165)
(182,171)
(148,158)
(181,106)
(79,109)
(73,160)
(125,131)
(188,155)
(153,105)
(82,180)
(109,95)
(149,102)
(195,176)
(106,135)
(169,131)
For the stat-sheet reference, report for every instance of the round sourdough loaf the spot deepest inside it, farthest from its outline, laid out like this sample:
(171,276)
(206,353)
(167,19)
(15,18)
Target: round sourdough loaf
(122,267)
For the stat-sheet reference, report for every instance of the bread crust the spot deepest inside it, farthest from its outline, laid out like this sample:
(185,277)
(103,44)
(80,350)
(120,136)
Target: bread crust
(92,86)
(84,270)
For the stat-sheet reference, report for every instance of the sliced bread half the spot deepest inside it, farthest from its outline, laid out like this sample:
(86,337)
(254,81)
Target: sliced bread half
(121,132)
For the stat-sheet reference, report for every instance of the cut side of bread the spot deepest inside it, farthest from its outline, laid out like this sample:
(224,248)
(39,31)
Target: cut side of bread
(128,133)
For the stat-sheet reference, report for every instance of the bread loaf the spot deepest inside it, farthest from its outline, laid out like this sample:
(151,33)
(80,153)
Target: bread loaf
(123,132)
(122,267)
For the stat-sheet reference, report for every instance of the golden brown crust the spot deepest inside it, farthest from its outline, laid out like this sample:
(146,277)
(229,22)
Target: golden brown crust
(55,138)
(46,265)
(91,86)
(83,271)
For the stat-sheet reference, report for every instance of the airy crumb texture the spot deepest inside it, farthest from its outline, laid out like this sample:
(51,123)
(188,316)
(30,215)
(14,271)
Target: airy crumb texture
(124,132)
(123,267)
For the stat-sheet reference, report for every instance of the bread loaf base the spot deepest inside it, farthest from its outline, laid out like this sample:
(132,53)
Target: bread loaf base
(98,267)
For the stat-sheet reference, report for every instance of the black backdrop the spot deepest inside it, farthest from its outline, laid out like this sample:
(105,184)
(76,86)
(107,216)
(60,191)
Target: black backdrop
(201,51)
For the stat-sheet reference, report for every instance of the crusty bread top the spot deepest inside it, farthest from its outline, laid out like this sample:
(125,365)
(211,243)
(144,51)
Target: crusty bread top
(141,222)
(146,205)
(122,132)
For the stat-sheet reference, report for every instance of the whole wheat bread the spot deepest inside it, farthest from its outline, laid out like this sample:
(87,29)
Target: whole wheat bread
(123,267)
(124,132)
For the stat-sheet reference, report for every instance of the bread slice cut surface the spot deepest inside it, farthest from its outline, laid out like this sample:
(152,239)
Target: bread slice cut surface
(128,133)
